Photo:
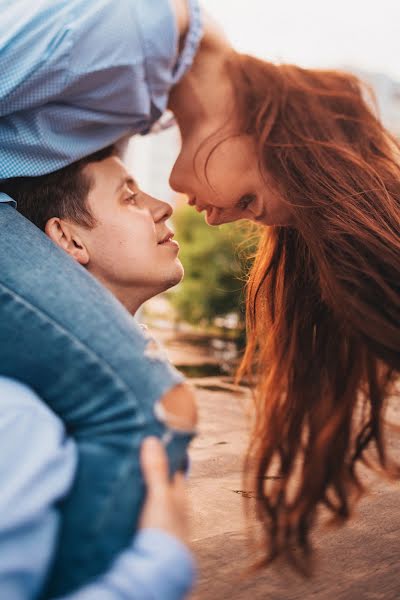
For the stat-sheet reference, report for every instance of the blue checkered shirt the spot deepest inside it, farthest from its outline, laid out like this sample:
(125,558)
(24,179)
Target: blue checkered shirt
(78,75)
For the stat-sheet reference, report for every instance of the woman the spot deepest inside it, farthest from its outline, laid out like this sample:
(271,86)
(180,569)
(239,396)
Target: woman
(301,153)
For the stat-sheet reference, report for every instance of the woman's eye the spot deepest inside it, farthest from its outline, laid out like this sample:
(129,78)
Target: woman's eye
(245,201)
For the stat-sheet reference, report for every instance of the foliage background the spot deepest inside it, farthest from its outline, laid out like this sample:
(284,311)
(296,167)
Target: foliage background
(216,262)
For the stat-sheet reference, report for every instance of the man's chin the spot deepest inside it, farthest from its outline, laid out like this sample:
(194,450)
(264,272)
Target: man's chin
(170,280)
(175,277)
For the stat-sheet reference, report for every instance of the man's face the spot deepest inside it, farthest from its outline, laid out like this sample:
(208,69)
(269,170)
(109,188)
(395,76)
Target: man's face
(130,248)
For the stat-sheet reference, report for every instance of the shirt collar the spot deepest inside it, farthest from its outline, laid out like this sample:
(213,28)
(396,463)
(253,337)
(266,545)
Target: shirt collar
(6,198)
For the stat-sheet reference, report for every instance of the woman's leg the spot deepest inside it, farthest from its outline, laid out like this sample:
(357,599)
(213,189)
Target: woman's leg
(65,336)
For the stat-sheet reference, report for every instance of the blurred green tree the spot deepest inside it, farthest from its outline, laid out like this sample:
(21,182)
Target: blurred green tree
(216,261)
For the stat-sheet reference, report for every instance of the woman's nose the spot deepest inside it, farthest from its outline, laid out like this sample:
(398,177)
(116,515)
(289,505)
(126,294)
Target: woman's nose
(175,180)
(181,177)
(214,216)
(174,183)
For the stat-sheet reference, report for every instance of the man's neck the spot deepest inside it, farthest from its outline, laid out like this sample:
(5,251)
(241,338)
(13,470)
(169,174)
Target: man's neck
(131,298)
(129,301)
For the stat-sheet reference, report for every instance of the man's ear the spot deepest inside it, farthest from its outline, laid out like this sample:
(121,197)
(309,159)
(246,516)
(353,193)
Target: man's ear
(64,235)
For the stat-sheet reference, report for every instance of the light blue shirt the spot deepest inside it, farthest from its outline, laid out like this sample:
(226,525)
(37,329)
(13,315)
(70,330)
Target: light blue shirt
(37,467)
(78,75)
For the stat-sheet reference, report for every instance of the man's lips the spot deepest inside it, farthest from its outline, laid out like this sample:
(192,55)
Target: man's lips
(167,239)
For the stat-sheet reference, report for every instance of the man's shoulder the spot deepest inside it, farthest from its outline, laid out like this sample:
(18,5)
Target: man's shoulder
(29,417)
(16,396)
(37,460)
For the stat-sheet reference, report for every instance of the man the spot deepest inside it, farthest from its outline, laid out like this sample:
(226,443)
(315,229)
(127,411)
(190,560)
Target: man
(95,211)
(81,75)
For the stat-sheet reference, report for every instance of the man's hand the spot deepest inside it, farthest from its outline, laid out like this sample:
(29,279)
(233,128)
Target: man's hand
(166,502)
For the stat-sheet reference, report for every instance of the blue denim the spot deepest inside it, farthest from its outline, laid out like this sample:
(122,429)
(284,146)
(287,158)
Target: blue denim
(66,337)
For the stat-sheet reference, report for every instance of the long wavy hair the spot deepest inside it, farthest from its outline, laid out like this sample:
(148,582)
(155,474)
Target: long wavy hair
(323,297)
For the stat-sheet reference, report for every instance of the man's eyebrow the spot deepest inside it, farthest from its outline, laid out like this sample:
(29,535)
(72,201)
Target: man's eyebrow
(126,180)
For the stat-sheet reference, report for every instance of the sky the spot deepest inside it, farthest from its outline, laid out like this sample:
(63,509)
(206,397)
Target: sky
(316,33)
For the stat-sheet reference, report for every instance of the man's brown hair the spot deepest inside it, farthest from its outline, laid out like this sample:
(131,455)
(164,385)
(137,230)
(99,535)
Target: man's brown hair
(62,193)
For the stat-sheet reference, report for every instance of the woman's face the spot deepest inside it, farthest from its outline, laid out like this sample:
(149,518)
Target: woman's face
(221,176)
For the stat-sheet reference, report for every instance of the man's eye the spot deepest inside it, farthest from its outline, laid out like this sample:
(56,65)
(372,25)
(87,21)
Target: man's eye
(131,197)
(245,201)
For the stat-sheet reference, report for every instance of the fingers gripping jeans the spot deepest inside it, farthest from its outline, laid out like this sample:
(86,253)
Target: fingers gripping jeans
(65,336)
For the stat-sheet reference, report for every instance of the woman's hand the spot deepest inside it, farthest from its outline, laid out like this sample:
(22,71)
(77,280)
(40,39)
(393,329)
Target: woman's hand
(165,507)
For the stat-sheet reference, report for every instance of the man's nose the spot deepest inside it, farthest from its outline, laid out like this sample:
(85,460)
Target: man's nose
(160,210)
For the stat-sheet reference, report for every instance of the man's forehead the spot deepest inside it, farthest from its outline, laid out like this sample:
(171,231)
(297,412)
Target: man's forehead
(120,174)
(125,180)
(111,170)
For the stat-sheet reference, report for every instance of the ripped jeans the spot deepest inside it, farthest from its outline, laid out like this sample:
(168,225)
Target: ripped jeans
(65,336)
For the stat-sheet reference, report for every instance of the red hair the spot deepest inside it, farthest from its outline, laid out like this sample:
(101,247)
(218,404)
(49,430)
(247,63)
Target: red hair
(323,297)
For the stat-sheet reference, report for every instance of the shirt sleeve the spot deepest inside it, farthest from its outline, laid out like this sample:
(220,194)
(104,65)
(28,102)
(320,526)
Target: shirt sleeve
(157,567)
(164,67)
(5,198)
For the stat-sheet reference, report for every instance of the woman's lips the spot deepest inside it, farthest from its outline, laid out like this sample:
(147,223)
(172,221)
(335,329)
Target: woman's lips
(193,202)
(199,208)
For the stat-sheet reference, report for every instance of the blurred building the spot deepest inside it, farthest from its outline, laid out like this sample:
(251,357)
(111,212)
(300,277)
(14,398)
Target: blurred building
(151,158)
(387,93)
